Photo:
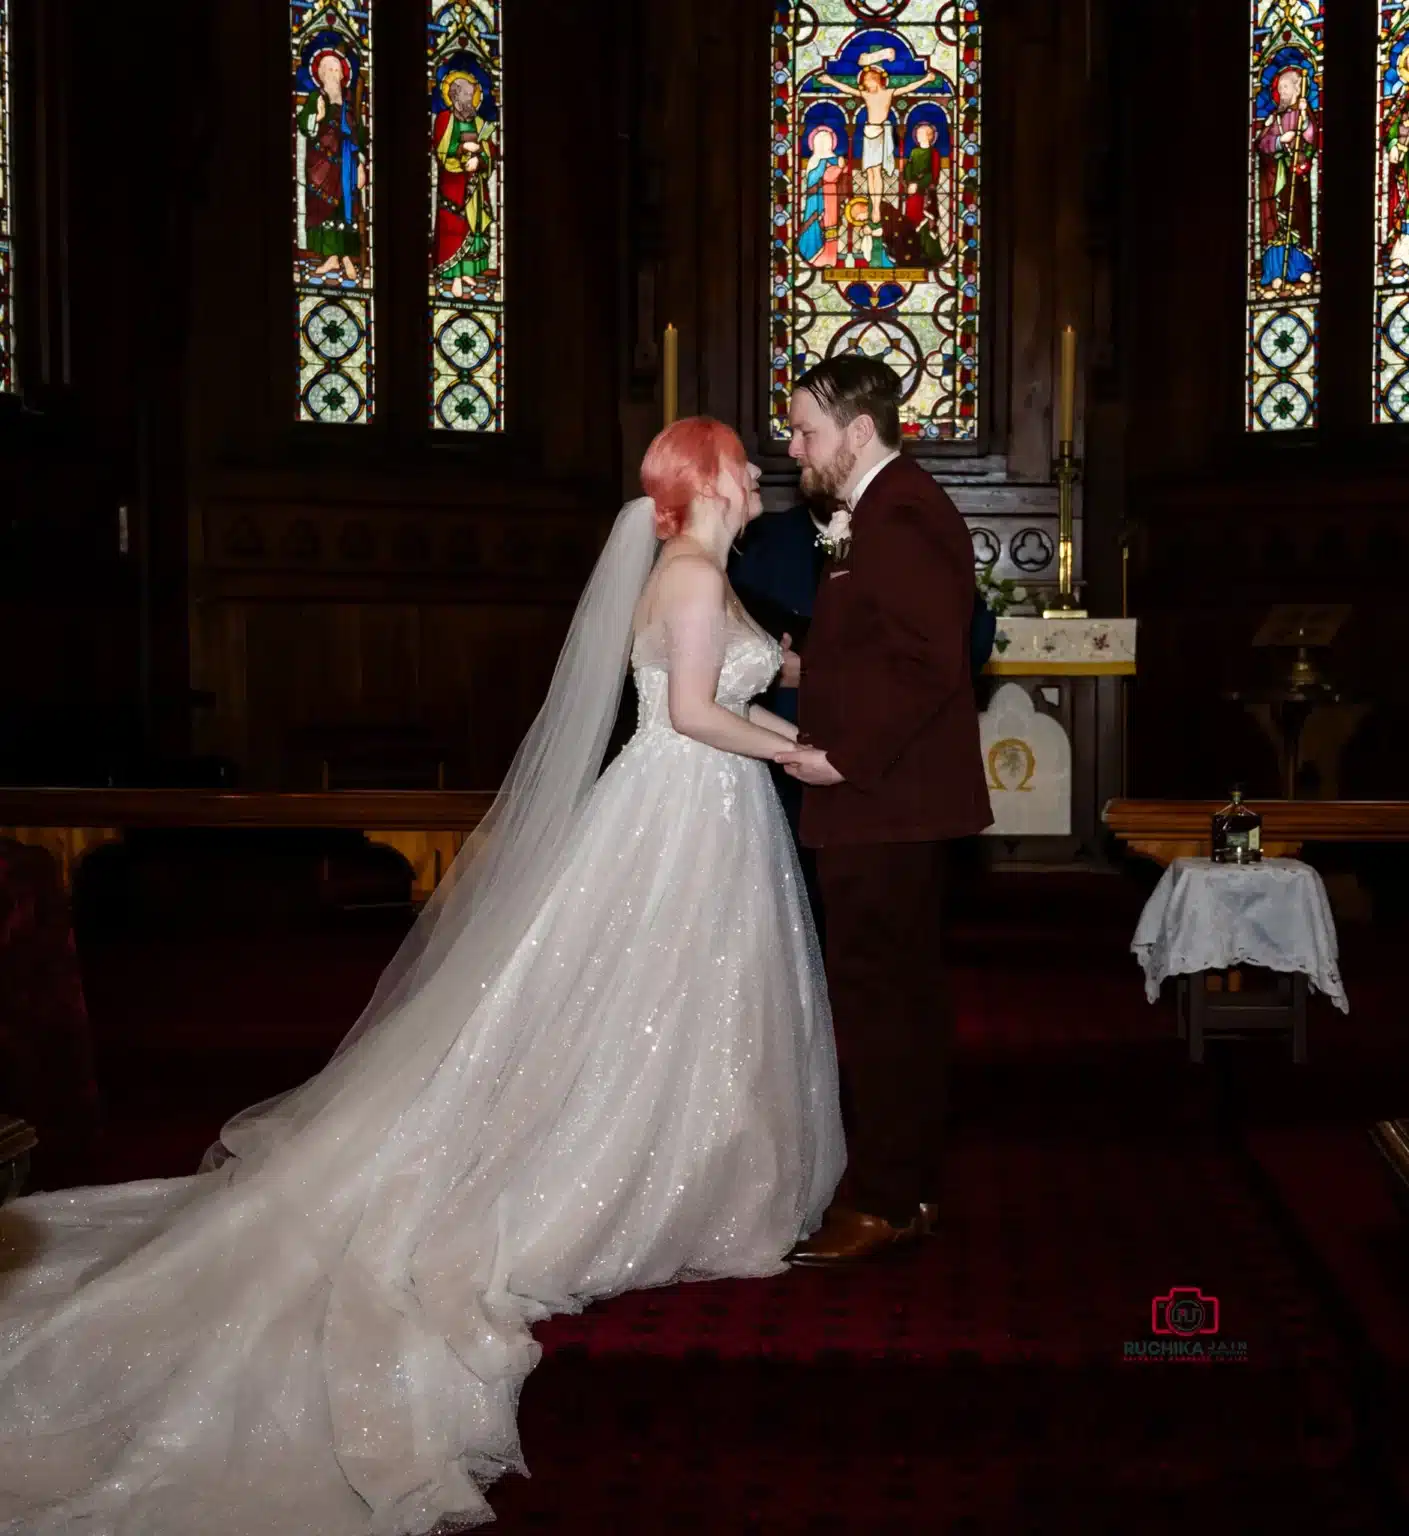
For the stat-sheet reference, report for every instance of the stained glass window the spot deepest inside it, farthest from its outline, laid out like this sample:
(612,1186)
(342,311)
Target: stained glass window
(1284,215)
(875,200)
(331,58)
(467,233)
(1392,216)
(8,381)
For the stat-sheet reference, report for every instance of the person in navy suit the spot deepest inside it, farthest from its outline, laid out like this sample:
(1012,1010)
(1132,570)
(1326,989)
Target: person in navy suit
(775,571)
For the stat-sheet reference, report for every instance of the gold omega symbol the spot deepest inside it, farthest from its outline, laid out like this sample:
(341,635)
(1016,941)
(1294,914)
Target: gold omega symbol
(1014,746)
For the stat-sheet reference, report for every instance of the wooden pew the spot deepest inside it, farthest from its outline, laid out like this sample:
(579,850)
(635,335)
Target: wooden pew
(1165,830)
(427,827)
(1391,1140)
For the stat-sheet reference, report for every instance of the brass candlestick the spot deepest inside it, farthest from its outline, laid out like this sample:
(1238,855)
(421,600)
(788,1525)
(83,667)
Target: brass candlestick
(1065,605)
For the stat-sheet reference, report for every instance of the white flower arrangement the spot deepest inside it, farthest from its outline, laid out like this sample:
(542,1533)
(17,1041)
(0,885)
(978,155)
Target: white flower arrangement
(835,538)
(1002,596)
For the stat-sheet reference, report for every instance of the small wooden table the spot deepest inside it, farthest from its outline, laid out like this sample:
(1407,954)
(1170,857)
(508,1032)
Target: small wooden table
(427,827)
(1208,1012)
(1209,927)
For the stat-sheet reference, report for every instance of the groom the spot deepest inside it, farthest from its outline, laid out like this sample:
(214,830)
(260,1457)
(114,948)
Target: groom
(889,752)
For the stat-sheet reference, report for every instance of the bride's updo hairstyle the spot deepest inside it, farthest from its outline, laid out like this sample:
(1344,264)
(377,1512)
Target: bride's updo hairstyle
(685,461)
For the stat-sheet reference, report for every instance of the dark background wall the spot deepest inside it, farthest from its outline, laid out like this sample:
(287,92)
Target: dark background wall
(279,581)
(1224,525)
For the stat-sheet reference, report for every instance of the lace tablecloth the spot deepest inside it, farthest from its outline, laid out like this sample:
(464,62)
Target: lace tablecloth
(1210,917)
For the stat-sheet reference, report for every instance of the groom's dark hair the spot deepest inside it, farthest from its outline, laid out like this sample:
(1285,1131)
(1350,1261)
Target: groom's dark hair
(848,385)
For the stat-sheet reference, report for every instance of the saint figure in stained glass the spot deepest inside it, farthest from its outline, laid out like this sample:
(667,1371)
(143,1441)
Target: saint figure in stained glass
(331,59)
(1286,149)
(466,256)
(1395,253)
(8,380)
(876,152)
(1391,364)
(463,218)
(927,210)
(1284,215)
(334,164)
(822,179)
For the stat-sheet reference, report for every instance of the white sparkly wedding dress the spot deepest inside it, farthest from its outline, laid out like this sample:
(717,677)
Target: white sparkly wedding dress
(602,1061)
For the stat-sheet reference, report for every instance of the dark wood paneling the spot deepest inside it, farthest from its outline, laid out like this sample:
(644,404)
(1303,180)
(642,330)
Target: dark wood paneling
(386,574)
(312,577)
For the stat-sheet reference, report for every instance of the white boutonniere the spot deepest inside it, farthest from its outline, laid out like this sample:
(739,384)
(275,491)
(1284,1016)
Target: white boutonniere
(835,538)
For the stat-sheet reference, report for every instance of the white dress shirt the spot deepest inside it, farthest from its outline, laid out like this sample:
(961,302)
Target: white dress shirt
(859,489)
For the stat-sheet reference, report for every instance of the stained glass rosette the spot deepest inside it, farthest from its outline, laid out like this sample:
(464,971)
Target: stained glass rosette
(875,201)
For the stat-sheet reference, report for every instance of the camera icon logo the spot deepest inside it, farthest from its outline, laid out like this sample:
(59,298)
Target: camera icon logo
(1185,1312)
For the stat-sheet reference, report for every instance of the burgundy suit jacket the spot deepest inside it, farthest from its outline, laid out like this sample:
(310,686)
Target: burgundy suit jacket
(887,689)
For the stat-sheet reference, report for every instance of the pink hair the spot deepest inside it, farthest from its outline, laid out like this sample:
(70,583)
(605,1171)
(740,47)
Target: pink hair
(685,461)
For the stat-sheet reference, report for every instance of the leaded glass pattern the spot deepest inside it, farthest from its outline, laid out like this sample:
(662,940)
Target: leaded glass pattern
(9,381)
(331,60)
(465,79)
(1391,403)
(876,160)
(1284,215)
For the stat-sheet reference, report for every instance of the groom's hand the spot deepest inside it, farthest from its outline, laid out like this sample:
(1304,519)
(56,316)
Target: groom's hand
(791,674)
(810,765)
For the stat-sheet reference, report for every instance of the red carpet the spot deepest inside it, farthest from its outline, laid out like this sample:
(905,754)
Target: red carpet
(980,1385)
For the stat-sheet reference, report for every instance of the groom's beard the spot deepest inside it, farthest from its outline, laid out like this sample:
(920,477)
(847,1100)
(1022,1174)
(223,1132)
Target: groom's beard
(830,478)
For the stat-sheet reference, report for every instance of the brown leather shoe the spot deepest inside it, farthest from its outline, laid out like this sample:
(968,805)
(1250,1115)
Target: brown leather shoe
(848,1237)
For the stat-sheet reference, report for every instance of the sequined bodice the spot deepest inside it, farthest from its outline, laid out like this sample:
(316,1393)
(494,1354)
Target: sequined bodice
(751,662)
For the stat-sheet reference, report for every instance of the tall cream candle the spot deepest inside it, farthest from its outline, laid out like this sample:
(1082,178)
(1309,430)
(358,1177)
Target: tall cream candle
(1067,430)
(670,376)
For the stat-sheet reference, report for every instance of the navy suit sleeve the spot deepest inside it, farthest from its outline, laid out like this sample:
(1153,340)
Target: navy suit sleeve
(983,634)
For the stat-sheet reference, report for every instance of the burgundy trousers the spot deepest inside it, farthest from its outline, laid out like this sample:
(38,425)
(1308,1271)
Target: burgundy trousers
(893,1018)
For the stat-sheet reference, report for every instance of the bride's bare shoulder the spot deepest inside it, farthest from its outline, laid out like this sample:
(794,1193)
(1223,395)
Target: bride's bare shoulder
(685,576)
(690,569)
(684,580)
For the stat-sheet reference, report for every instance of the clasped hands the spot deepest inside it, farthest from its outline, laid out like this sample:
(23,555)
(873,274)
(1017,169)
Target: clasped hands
(809,764)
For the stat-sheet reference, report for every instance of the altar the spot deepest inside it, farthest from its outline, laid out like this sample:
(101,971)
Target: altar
(1053,731)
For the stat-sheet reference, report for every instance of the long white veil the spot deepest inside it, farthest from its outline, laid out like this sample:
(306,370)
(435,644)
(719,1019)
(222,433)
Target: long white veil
(328,1328)
(492,891)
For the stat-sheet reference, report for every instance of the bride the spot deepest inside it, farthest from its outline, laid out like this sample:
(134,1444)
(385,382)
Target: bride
(601,1060)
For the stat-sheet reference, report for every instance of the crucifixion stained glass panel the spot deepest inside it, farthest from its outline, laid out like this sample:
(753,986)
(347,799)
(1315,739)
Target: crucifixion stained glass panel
(876,160)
